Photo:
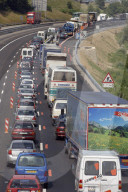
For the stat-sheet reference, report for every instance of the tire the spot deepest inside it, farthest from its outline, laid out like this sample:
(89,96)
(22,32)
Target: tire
(46,185)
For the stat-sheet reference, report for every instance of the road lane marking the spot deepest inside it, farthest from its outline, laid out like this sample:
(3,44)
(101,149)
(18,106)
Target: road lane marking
(39,127)
(41,146)
(38,113)
(2,91)
(0,100)
(4,84)
(44,190)
(6,77)
(9,65)
(11,61)
(14,56)
(16,52)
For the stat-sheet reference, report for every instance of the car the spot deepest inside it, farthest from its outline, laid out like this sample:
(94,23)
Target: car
(32,164)
(26,115)
(24,183)
(23,130)
(25,65)
(22,87)
(27,98)
(18,146)
(28,82)
(60,130)
(27,105)
(27,75)
(26,92)
(20,70)
(63,35)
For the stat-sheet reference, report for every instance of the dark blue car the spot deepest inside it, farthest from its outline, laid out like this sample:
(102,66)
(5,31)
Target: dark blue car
(32,164)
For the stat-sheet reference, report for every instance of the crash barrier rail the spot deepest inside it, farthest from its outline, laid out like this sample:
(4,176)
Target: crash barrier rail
(105,25)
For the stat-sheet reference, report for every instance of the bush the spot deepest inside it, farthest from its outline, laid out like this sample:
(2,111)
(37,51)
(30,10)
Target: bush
(49,8)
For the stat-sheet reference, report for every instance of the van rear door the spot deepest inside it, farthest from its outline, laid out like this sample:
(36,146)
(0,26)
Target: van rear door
(110,175)
(91,175)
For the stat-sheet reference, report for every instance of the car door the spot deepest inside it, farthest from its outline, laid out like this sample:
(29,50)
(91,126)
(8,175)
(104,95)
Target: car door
(110,176)
(91,175)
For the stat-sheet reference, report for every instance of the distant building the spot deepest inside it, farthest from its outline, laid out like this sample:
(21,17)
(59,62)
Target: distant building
(39,5)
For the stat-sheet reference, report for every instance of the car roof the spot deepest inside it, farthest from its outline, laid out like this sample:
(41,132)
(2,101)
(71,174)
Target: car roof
(32,153)
(24,177)
(22,141)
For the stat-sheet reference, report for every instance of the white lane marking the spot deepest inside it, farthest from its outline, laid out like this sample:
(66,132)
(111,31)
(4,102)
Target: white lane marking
(44,190)
(14,56)
(2,91)
(0,100)
(16,52)
(33,73)
(20,49)
(38,113)
(15,40)
(7,71)
(41,146)
(33,78)
(4,84)
(9,65)
(39,127)
(6,77)
(11,61)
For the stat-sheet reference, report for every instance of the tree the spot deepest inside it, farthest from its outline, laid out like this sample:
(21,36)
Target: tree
(114,8)
(90,8)
(100,3)
(69,5)
(21,6)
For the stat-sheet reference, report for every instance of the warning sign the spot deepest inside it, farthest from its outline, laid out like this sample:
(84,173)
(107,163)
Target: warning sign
(108,81)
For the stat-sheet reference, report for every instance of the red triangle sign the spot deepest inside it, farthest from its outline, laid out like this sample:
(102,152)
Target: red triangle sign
(108,79)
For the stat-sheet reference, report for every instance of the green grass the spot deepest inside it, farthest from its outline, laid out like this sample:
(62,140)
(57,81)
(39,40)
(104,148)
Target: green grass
(103,141)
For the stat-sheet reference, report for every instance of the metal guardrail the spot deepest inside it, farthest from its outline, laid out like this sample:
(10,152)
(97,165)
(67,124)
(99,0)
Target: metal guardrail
(105,24)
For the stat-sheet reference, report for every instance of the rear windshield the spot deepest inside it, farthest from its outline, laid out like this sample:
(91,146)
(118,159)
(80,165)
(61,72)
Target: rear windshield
(23,125)
(25,73)
(23,183)
(27,82)
(61,105)
(25,86)
(26,91)
(25,112)
(24,52)
(61,124)
(27,104)
(20,145)
(31,161)
(109,168)
(29,52)
(92,168)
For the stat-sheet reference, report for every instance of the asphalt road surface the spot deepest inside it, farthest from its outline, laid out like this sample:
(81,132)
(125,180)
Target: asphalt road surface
(61,178)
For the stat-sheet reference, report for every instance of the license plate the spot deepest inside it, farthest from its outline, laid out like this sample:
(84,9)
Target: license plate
(91,189)
(23,133)
(31,171)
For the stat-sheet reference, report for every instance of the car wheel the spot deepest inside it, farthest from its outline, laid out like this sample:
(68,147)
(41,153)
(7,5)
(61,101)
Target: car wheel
(45,185)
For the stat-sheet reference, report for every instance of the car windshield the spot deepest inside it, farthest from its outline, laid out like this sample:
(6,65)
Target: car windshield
(23,125)
(61,124)
(31,161)
(24,145)
(26,104)
(23,183)
(25,112)
(61,105)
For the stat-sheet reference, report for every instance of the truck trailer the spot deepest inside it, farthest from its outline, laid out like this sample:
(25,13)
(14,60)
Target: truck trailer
(97,121)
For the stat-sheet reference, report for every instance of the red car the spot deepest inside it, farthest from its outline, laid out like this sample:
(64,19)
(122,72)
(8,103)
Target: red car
(23,130)
(19,183)
(60,129)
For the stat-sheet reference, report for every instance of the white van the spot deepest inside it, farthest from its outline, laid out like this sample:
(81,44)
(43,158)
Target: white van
(57,106)
(27,52)
(98,171)
(42,34)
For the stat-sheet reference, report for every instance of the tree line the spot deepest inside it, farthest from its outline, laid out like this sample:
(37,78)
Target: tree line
(21,6)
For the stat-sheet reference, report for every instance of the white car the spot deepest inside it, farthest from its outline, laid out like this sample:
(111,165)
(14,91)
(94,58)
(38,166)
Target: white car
(28,82)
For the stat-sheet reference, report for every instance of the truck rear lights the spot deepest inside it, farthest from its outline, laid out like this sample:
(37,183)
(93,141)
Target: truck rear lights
(10,152)
(80,184)
(17,118)
(34,118)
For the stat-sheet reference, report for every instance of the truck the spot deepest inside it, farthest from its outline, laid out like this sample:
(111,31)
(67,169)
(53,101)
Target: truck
(92,17)
(60,77)
(53,59)
(70,27)
(42,34)
(33,17)
(48,48)
(84,19)
(97,121)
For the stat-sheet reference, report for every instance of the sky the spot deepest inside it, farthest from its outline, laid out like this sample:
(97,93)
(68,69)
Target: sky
(106,116)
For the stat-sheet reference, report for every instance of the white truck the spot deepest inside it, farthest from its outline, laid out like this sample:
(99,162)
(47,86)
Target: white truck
(27,52)
(60,77)
(53,59)
(42,34)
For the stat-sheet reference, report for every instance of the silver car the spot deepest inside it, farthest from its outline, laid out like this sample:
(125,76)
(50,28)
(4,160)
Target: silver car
(27,92)
(26,105)
(28,82)
(22,87)
(26,115)
(19,146)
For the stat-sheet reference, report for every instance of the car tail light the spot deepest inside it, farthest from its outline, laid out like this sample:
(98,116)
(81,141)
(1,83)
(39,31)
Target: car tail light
(32,133)
(18,105)
(33,86)
(34,150)
(17,118)
(57,129)
(46,174)
(34,118)
(80,184)
(55,117)
(120,185)
(10,152)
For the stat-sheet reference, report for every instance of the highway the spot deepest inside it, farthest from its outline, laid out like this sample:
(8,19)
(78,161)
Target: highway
(61,177)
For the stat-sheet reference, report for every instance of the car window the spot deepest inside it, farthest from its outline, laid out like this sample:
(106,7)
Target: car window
(23,125)
(27,82)
(109,168)
(26,104)
(20,145)
(61,105)
(26,91)
(29,52)
(23,183)
(61,124)
(91,168)
(25,112)
(24,52)
(31,161)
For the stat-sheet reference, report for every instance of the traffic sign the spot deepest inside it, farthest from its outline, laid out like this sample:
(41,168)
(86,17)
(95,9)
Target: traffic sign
(108,81)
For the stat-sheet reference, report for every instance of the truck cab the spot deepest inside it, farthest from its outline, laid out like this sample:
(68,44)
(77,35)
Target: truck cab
(98,171)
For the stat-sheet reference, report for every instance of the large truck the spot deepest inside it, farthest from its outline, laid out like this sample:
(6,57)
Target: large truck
(92,17)
(48,48)
(97,121)
(84,19)
(33,17)
(70,27)
(53,59)
(60,77)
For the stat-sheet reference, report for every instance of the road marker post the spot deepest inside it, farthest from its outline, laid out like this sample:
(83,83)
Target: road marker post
(17,64)
(13,86)
(15,74)
(11,102)
(6,125)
